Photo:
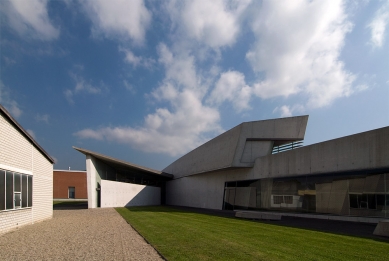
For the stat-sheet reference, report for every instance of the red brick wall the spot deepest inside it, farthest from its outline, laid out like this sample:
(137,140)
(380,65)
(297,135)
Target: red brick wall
(63,179)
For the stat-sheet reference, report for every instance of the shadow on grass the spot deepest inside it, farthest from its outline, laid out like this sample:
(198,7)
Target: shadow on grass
(345,228)
(67,205)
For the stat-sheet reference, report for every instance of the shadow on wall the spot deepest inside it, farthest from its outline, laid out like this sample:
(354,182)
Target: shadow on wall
(119,194)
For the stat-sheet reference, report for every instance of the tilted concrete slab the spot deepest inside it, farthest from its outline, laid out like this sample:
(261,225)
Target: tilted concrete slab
(382,228)
(358,152)
(240,146)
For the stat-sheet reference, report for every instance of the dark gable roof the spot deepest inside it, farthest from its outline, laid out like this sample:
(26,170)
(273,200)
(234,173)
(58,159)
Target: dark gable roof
(25,133)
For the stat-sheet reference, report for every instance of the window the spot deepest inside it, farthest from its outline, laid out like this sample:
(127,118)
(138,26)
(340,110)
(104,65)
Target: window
(367,201)
(15,190)
(72,192)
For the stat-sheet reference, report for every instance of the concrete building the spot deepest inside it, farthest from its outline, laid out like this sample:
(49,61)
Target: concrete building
(348,176)
(115,183)
(26,177)
(257,166)
(69,185)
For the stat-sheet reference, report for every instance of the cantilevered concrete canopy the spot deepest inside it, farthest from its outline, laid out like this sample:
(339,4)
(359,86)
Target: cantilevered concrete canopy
(124,165)
(240,146)
(115,183)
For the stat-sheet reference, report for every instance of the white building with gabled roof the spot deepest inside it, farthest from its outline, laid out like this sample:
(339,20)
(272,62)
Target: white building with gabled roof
(26,176)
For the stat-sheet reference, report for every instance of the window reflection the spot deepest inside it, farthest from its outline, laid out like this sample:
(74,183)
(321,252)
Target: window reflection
(355,194)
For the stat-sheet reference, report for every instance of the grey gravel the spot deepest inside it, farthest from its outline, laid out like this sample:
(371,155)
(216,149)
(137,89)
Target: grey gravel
(83,234)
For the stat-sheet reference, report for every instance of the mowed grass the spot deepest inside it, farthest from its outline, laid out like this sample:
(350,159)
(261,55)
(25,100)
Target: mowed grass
(59,203)
(180,235)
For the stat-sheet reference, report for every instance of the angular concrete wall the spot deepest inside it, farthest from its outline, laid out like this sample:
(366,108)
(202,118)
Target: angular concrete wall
(239,147)
(93,179)
(367,150)
(119,194)
(216,154)
(202,190)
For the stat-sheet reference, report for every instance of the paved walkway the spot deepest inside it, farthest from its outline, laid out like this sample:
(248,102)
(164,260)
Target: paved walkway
(82,234)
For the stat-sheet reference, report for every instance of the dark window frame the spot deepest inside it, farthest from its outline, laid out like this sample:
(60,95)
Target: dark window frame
(9,192)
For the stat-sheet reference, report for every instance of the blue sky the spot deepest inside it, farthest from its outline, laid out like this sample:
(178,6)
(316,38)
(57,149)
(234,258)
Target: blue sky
(146,82)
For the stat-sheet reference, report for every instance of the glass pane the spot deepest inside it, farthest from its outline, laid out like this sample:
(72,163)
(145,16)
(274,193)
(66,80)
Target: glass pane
(29,191)
(24,191)
(72,192)
(9,190)
(229,194)
(2,189)
(363,201)
(17,187)
(371,201)
(18,200)
(231,184)
(354,201)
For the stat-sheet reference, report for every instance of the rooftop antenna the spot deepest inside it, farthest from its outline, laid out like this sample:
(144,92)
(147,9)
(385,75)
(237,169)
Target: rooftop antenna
(69,168)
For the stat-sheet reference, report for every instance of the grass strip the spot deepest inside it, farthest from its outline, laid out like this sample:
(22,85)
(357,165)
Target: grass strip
(60,203)
(182,235)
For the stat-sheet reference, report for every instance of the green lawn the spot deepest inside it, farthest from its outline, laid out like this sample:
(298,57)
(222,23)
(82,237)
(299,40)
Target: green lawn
(180,235)
(60,203)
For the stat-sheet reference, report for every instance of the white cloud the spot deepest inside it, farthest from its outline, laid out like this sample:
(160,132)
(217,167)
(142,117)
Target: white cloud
(297,48)
(288,111)
(81,86)
(42,118)
(30,18)
(31,133)
(136,61)
(214,23)
(129,87)
(118,18)
(378,25)
(171,132)
(10,104)
(232,87)
(284,110)
(181,125)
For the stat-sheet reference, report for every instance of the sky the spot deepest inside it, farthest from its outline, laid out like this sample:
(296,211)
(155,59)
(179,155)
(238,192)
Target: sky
(148,81)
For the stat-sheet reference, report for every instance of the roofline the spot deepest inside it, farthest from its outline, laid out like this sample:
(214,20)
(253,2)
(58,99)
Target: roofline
(122,162)
(272,119)
(26,134)
(66,170)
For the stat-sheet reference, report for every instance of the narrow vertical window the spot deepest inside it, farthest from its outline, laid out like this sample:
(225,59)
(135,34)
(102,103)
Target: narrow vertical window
(2,189)
(17,190)
(9,190)
(72,192)
(24,191)
(29,198)
(17,187)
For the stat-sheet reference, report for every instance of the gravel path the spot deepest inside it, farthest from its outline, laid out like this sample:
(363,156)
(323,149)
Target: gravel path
(83,234)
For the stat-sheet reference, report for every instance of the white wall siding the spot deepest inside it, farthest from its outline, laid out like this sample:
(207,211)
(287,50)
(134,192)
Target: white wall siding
(15,218)
(42,187)
(16,151)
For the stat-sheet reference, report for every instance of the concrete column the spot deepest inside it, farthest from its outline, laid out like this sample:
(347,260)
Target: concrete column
(91,181)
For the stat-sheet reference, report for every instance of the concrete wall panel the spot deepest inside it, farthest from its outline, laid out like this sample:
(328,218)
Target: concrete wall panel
(367,150)
(238,147)
(203,190)
(119,194)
